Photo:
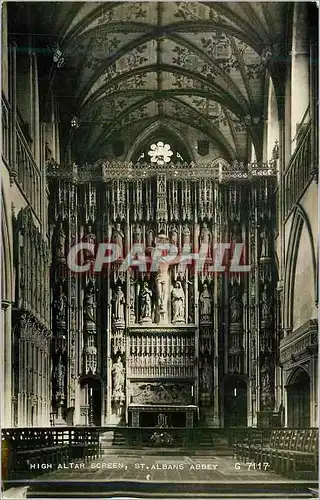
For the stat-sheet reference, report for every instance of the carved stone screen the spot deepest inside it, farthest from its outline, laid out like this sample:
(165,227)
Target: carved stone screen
(175,335)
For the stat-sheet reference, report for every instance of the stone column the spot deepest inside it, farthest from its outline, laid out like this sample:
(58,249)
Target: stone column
(196,318)
(109,353)
(314,418)
(6,362)
(36,120)
(4,43)
(300,86)
(13,114)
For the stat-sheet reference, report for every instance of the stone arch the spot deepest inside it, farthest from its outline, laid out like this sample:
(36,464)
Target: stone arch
(298,389)
(6,302)
(299,222)
(294,375)
(6,254)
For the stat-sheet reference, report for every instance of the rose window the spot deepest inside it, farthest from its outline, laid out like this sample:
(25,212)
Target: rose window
(160,153)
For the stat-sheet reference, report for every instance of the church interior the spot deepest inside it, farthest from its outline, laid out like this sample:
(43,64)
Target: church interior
(141,124)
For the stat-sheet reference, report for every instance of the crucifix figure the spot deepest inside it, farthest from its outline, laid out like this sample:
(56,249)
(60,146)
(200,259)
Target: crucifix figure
(162,281)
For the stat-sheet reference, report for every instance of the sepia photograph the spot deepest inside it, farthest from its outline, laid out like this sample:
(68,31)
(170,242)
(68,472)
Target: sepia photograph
(159,249)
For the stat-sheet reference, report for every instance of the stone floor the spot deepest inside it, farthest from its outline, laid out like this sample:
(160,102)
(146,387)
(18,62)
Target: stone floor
(163,476)
(164,468)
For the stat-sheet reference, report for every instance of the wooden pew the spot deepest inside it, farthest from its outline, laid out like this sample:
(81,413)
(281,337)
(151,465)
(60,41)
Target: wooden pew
(292,452)
(273,455)
(303,462)
(26,449)
(254,439)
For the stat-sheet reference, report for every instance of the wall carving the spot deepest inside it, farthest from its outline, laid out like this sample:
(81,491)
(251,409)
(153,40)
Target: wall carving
(156,393)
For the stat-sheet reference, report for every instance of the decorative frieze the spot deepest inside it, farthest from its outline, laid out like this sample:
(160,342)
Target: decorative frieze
(301,343)
(103,171)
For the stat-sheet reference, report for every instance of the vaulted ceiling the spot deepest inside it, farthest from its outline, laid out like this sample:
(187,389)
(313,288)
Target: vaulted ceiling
(203,65)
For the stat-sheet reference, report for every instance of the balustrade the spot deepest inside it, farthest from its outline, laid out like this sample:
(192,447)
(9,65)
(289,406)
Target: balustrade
(299,171)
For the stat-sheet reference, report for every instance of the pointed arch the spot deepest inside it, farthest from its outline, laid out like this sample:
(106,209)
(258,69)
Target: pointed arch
(6,253)
(153,128)
(300,219)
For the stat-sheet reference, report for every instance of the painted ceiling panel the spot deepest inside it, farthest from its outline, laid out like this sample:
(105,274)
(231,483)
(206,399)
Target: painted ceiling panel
(192,62)
(192,11)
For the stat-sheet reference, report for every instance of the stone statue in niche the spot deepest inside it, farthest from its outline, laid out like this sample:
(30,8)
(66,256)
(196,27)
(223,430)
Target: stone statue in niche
(47,152)
(173,236)
(118,304)
(60,305)
(204,235)
(150,238)
(191,300)
(266,385)
(132,300)
(178,303)
(137,234)
(264,243)
(90,237)
(266,314)
(145,303)
(118,239)
(186,236)
(89,304)
(205,301)
(118,372)
(206,376)
(162,283)
(61,242)
(235,304)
